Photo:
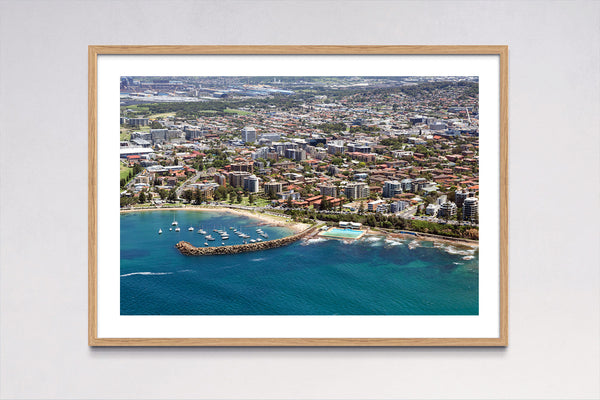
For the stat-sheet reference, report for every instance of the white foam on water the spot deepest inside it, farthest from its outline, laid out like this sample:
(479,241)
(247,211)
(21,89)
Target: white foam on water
(468,257)
(312,241)
(372,238)
(457,263)
(147,273)
(392,242)
(259,259)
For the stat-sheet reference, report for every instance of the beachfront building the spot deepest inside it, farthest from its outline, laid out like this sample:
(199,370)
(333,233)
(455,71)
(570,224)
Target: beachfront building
(462,195)
(221,179)
(248,134)
(236,178)
(290,194)
(471,209)
(273,187)
(398,206)
(447,209)
(252,184)
(356,190)
(328,190)
(372,205)
(431,209)
(391,188)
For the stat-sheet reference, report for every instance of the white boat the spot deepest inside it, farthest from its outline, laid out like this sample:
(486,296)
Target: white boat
(209,237)
(170,229)
(159,231)
(174,223)
(259,240)
(224,237)
(252,241)
(177,229)
(190,229)
(206,244)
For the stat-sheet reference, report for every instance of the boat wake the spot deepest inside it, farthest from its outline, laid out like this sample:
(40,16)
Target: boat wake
(147,273)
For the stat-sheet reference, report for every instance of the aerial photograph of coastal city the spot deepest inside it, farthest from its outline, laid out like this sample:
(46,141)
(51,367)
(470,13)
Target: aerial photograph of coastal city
(299,195)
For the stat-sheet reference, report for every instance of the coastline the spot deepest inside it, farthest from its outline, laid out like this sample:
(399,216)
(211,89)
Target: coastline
(426,237)
(299,227)
(266,218)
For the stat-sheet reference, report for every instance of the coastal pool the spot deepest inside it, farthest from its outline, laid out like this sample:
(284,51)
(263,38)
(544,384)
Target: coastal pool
(343,233)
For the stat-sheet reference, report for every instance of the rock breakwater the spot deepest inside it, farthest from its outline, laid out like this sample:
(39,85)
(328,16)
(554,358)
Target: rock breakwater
(188,249)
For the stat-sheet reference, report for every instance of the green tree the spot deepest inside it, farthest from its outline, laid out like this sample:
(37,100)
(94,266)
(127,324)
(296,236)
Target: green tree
(251,198)
(188,195)
(142,197)
(172,195)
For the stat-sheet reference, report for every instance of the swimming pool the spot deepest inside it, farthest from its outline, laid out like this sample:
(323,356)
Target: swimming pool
(345,233)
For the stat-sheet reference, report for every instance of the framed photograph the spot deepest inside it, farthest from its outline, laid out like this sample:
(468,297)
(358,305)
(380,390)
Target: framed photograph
(298,196)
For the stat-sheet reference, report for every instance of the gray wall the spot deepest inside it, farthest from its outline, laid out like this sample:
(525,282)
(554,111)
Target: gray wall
(554,139)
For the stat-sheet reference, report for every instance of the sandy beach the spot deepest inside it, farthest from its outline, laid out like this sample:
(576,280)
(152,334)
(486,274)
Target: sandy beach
(267,219)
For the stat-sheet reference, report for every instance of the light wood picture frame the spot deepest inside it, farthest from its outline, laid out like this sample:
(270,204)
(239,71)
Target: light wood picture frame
(98,260)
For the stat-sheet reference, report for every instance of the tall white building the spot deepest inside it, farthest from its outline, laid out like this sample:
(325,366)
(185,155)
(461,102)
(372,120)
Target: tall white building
(251,184)
(248,134)
(470,209)
(356,190)
(447,209)
(391,188)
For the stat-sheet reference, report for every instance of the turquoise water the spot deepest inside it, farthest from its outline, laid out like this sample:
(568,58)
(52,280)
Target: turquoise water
(369,276)
(344,233)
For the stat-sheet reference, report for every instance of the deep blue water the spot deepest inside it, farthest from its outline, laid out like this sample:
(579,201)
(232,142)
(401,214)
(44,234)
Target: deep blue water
(371,276)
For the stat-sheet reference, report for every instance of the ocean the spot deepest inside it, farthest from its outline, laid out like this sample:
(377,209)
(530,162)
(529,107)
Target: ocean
(370,276)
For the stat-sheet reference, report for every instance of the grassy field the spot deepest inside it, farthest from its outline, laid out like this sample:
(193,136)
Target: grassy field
(125,135)
(239,112)
(162,115)
(258,202)
(125,171)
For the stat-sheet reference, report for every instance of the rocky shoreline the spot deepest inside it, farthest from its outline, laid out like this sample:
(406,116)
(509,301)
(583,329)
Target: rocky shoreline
(188,249)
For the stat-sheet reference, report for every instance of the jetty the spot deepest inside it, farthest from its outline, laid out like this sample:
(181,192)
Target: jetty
(188,249)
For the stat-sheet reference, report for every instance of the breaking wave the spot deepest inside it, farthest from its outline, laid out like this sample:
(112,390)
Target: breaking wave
(312,241)
(392,242)
(147,273)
